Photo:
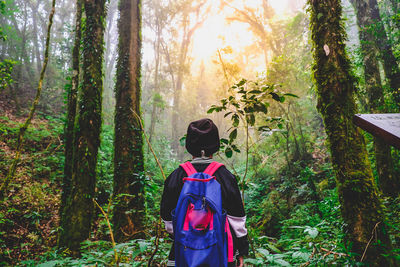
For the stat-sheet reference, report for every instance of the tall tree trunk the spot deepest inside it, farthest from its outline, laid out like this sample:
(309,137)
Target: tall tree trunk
(178,88)
(384,162)
(390,65)
(129,211)
(156,96)
(79,207)
(70,122)
(35,13)
(361,206)
(182,60)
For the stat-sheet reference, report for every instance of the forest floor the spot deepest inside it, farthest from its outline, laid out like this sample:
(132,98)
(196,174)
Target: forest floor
(29,216)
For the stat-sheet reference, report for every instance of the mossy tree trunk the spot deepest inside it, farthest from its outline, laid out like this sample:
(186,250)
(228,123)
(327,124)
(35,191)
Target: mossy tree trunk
(361,207)
(390,64)
(70,120)
(129,210)
(79,207)
(384,163)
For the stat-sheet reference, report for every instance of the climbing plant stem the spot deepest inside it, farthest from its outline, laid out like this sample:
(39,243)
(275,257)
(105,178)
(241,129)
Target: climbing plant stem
(109,228)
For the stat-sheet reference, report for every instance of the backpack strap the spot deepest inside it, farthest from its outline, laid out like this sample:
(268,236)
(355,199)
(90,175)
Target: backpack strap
(213,167)
(188,167)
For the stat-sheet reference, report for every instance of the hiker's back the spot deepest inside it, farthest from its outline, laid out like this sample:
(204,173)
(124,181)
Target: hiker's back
(200,225)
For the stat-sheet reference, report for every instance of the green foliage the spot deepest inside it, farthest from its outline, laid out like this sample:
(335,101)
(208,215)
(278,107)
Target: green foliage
(105,166)
(27,217)
(6,68)
(247,99)
(101,253)
(3,37)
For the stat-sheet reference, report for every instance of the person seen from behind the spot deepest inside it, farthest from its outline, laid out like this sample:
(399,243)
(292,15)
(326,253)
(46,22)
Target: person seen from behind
(202,141)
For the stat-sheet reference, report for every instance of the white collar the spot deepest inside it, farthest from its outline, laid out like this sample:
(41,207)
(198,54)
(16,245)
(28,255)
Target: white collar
(202,160)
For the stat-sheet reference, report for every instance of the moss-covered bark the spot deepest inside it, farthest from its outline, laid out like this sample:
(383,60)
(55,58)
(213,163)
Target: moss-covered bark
(129,210)
(390,64)
(361,207)
(70,120)
(384,163)
(79,207)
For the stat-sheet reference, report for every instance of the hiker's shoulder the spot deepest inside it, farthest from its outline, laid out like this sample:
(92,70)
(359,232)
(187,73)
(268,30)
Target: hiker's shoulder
(224,173)
(175,177)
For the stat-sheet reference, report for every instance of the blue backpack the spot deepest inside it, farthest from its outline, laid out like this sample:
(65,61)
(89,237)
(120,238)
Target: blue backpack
(201,229)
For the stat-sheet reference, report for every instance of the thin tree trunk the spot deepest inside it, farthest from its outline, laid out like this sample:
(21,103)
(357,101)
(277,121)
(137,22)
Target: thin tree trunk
(361,206)
(156,80)
(129,212)
(35,13)
(69,125)
(24,127)
(79,207)
(384,162)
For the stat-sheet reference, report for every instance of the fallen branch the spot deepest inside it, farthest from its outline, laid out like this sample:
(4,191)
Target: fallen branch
(333,252)
(309,259)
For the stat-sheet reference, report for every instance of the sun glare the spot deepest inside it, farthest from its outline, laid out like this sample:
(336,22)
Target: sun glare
(217,33)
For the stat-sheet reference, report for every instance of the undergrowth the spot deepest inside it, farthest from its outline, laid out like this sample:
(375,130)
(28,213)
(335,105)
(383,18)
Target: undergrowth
(293,212)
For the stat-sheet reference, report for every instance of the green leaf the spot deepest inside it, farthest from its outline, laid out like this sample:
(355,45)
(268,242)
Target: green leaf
(312,232)
(210,110)
(235,119)
(282,262)
(252,119)
(235,148)
(273,248)
(255,92)
(182,141)
(49,264)
(263,251)
(224,141)
(275,96)
(253,261)
(232,135)
(292,95)
(228,152)
(227,114)
(241,83)
(142,246)
(302,255)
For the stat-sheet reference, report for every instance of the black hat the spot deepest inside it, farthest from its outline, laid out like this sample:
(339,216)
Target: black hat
(202,135)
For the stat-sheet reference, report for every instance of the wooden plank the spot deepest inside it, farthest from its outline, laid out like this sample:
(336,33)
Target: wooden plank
(385,126)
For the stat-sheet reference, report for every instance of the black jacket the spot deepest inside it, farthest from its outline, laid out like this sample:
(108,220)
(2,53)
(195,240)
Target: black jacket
(231,202)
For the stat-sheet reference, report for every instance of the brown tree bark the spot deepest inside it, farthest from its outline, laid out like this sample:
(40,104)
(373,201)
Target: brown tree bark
(361,207)
(70,122)
(79,207)
(384,163)
(129,211)
(390,64)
